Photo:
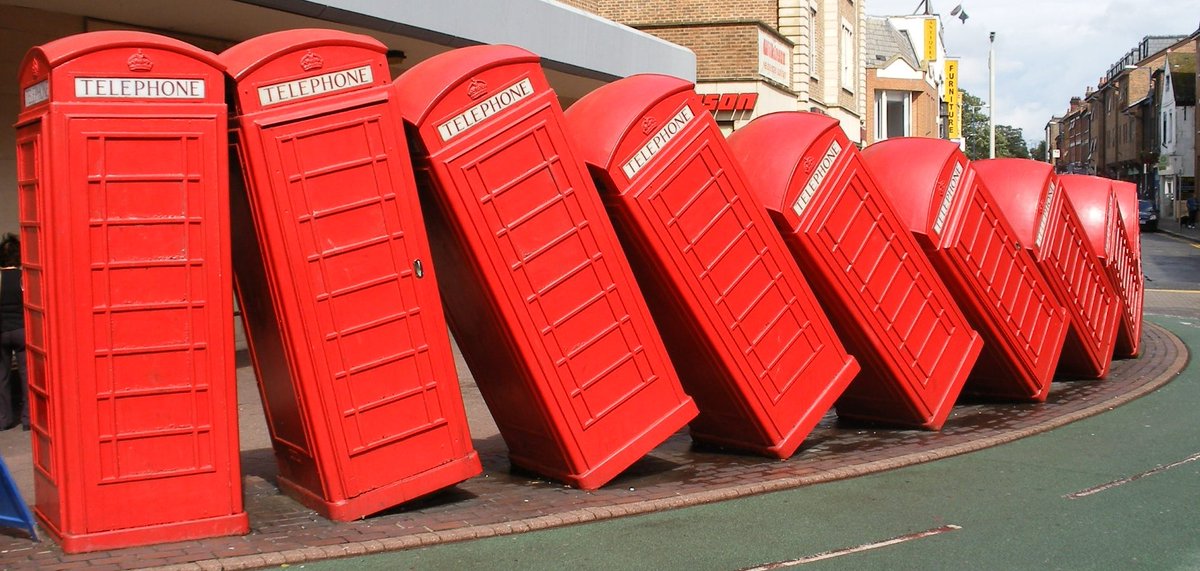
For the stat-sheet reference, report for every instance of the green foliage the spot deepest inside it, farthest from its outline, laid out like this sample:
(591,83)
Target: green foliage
(1038,152)
(1010,142)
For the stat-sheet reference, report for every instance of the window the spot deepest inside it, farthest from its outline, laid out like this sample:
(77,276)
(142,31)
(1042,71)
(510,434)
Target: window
(812,44)
(892,112)
(846,55)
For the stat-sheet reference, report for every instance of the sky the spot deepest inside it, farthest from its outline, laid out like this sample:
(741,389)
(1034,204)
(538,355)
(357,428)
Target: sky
(1047,51)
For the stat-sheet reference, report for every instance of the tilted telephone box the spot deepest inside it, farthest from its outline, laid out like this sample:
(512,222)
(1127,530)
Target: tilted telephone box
(886,301)
(337,291)
(750,341)
(979,257)
(1096,203)
(540,296)
(1030,195)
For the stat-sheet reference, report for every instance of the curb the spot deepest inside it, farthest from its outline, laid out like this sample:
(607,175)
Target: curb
(1170,372)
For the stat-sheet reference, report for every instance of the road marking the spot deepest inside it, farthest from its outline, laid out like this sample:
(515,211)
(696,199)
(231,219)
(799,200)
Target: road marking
(856,549)
(1110,485)
(1173,290)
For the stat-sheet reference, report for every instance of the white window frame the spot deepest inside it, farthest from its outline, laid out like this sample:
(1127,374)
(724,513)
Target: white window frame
(846,56)
(881,113)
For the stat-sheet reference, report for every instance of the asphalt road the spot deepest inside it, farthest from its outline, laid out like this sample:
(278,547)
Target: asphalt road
(1170,262)
(1120,490)
(1115,491)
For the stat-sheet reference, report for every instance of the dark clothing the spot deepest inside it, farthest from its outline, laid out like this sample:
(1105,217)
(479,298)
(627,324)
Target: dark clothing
(12,314)
(14,386)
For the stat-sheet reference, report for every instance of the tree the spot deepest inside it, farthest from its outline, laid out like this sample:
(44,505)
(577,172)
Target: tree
(1010,142)
(974,127)
(1038,152)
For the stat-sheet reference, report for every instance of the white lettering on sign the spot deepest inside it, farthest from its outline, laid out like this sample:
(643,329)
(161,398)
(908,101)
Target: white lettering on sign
(488,107)
(818,176)
(948,200)
(1045,221)
(37,93)
(658,141)
(315,85)
(139,88)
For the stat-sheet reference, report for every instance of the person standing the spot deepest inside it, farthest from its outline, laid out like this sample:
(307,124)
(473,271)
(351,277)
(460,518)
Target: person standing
(1193,206)
(14,397)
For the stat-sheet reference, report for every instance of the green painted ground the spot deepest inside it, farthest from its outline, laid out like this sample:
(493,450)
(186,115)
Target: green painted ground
(1008,500)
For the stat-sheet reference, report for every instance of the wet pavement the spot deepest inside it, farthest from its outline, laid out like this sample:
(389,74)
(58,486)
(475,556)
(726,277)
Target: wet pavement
(675,474)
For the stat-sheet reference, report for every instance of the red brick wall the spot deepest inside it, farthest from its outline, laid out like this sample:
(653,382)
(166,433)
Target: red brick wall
(640,13)
(723,51)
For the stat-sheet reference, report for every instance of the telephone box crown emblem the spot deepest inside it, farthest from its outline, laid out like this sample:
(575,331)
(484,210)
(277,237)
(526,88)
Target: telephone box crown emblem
(311,61)
(35,69)
(648,124)
(476,88)
(808,164)
(139,62)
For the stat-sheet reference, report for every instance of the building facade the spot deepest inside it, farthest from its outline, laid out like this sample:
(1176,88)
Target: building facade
(903,99)
(761,56)
(1175,85)
(413,31)
(1117,130)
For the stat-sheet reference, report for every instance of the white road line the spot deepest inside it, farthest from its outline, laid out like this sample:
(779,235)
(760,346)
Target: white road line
(856,549)
(1110,485)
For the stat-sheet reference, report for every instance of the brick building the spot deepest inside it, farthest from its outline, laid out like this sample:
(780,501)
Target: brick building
(786,55)
(904,99)
(414,31)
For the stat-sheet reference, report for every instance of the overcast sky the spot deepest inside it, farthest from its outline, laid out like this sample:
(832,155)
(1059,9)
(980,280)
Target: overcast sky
(1046,50)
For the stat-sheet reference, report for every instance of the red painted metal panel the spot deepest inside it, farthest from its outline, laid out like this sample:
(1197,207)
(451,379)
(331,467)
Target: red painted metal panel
(744,329)
(1030,195)
(885,299)
(1095,201)
(990,274)
(122,186)
(338,294)
(540,296)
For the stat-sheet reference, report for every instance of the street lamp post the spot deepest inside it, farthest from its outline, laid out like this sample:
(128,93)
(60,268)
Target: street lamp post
(991,95)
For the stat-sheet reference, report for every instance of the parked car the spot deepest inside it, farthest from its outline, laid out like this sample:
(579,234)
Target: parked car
(1147,216)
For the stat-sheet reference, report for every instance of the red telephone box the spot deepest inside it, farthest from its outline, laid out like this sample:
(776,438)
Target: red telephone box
(1095,202)
(1134,280)
(122,183)
(979,257)
(744,329)
(885,299)
(1127,202)
(540,296)
(1030,196)
(338,294)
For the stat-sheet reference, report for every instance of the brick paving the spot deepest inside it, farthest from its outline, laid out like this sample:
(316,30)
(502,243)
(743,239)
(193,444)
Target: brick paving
(675,474)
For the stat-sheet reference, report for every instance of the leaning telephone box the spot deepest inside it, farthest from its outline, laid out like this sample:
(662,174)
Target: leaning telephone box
(122,183)
(744,329)
(1127,202)
(981,260)
(337,291)
(540,296)
(1095,202)
(885,299)
(1030,196)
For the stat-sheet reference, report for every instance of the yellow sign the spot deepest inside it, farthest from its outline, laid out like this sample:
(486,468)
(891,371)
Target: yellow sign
(954,116)
(951,80)
(953,101)
(931,25)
